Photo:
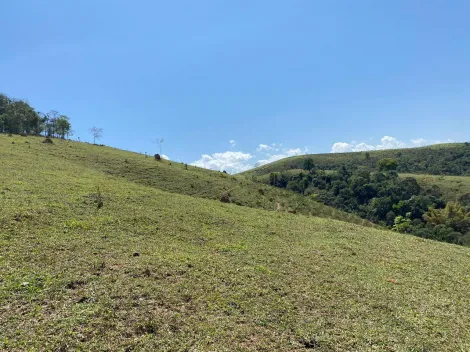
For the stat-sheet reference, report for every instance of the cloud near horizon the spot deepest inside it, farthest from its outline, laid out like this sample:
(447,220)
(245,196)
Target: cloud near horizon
(386,142)
(239,161)
(234,162)
(284,154)
(228,161)
(268,148)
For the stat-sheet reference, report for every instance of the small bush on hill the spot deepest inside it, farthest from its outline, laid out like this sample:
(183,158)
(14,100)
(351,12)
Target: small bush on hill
(225,198)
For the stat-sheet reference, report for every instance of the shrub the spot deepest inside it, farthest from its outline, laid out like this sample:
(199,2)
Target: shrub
(402,224)
(99,198)
(225,197)
(48,141)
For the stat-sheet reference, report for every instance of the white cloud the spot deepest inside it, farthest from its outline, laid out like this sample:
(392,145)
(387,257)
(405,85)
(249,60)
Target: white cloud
(264,148)
(390,143)
(285,154)
(419,142)
(235,162)
(232,142)
(386,142)
(361,147)
(269,148)
(341,147)
(229,161)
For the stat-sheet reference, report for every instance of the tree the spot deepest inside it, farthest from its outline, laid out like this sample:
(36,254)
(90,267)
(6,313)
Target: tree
(402,224)
(464,199)
(274,178)
(97,133)
(387,164)
(49,123)
(308,164)
(17,116)
(159,142)
(410,187)
(63,126)
(453,215)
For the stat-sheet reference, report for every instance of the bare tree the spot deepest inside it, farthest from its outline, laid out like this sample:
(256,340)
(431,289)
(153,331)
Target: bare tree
(159,142)
(97,133)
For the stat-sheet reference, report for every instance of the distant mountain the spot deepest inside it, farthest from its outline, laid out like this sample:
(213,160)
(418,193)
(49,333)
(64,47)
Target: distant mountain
(438,159)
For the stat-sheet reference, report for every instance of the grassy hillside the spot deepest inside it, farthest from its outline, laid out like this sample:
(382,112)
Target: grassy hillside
(136,268)
(172,177)
(452,187)
(451,159)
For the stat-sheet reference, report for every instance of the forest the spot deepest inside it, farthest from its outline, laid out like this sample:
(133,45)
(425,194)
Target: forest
(384,198)
(18,117)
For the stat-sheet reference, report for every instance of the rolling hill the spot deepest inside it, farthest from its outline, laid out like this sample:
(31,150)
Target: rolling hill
(173,177)
(438,159)
(452,187)
(107,250)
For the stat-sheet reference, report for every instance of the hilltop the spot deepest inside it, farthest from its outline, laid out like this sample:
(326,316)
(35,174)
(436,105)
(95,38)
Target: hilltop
(438,159)
(107,250)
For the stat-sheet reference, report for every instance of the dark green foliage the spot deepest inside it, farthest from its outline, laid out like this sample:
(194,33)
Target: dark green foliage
(441,233)
(384,198)
(308,164)
(278,179)
(18,117)
(387,164)
(465,200)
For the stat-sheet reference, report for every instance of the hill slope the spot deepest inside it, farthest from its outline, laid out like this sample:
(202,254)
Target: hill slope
(452,187)
(153,270)
(448,159)
(172,177)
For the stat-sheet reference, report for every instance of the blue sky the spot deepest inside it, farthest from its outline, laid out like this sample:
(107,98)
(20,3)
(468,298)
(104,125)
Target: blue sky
(276,77)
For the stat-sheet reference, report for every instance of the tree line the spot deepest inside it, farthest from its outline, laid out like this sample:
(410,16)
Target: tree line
(18,117)
(384,198)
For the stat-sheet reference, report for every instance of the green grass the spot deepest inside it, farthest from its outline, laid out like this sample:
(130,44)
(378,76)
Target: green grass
(452,187)
(434,159)
(174,177)
(153,269)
